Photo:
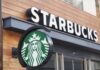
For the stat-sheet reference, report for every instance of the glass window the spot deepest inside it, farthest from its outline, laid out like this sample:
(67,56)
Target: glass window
(85,5)
(73,64)
(98,8)
(95,65)
(78,65)
(76,3)
(68,64)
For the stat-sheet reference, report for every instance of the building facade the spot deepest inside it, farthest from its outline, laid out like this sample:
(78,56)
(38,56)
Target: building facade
(70,52)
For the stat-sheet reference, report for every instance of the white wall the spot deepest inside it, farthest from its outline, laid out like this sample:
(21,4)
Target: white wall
(89,6)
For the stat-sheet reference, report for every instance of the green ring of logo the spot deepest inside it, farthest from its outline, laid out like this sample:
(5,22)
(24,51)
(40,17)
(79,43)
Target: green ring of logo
(35,48)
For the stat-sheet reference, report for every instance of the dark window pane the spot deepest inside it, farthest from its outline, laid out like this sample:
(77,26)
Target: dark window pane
(68,64)
(95,65)
(73,64)
(78,65)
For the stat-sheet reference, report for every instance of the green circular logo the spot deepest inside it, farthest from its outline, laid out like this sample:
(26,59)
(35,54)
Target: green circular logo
(35,48)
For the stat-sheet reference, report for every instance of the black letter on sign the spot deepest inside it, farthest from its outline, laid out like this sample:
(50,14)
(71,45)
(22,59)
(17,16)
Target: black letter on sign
(33,14)
(77,29)
(70,27)
(90,34)
(84,32)
(95,36)
(53,21)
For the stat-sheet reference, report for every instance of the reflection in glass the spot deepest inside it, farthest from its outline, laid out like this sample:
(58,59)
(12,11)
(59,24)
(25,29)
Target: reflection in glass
(95,65)
(76,3)
(98,8)
(73,64)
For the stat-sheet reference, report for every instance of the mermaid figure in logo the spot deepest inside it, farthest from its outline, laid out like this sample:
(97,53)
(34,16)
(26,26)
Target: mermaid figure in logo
(34,53)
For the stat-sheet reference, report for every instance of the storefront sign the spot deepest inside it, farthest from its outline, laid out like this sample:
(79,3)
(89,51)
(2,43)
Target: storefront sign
(44,18)
(34,48)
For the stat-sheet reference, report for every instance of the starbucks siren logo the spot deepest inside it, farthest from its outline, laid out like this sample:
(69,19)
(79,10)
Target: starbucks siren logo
(35,48)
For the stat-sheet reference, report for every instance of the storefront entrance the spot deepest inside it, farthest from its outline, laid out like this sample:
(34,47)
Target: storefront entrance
(61,62)
(68,63)
(70,52)
(71,58)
